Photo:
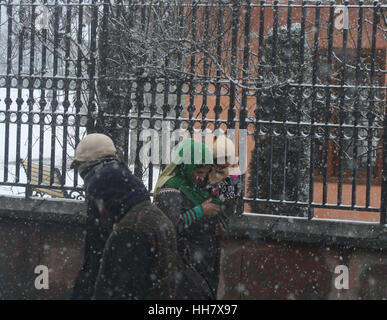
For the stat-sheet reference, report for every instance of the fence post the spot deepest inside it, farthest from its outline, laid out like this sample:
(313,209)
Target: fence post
(383,204)
(91,70)
(28,192)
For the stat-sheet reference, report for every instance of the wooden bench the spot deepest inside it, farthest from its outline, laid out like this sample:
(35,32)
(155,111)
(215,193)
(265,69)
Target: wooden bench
(46,175)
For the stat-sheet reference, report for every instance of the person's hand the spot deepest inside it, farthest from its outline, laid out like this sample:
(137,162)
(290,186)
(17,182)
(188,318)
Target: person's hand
(209,208)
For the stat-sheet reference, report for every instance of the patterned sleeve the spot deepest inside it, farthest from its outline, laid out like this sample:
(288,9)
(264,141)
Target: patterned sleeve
(170,201)
(228,188)
(192,215)
(236,181)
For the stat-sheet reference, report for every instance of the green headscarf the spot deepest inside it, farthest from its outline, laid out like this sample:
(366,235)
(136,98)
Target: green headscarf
(188,155)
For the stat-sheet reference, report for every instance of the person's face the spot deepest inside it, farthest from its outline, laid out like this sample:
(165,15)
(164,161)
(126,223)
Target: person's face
(199,175)
(77,164)
(104,215)
(101,209)
(222,163)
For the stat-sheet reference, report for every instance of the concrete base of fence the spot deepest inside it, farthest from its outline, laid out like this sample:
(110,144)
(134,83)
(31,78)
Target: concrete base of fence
(263,257)
(39,232)
(266,257)
(46,210)
(282,270)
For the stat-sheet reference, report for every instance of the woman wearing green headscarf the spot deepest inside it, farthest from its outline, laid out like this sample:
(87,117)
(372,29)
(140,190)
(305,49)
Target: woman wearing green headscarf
(178,193)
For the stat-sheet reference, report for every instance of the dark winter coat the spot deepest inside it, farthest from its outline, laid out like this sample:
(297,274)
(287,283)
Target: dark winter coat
(95,238)
(140,257)
(198,247)
(106,178)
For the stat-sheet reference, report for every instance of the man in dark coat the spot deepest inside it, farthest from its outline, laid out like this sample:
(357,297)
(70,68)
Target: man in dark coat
(93,153)
(139,259)
(119,257)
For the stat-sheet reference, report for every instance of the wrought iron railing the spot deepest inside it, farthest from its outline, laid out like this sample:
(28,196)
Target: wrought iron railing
(302,83)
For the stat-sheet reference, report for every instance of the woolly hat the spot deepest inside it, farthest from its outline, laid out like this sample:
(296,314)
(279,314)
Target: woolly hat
(92,147)
(224,148)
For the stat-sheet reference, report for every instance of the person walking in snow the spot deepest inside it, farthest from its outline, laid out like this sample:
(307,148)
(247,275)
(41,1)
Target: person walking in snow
(115,196)
(139,259)
(224,183)
(224,180)
(178,193)
(92,154)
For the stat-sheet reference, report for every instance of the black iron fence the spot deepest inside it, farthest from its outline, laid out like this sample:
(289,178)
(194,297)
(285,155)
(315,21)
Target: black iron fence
(300,84)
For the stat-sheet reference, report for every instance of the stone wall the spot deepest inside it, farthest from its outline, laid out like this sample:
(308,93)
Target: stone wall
(39,232)
(287,258)
(263,257)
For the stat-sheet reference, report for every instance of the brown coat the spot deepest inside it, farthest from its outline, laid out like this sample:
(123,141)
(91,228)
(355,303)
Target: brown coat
(139,259)
(198,247)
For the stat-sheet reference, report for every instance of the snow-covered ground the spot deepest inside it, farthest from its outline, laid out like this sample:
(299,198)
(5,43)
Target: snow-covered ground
(23,137)
(35,145)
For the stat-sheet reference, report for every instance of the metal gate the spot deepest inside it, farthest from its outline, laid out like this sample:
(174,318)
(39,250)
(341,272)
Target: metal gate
(301,85)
